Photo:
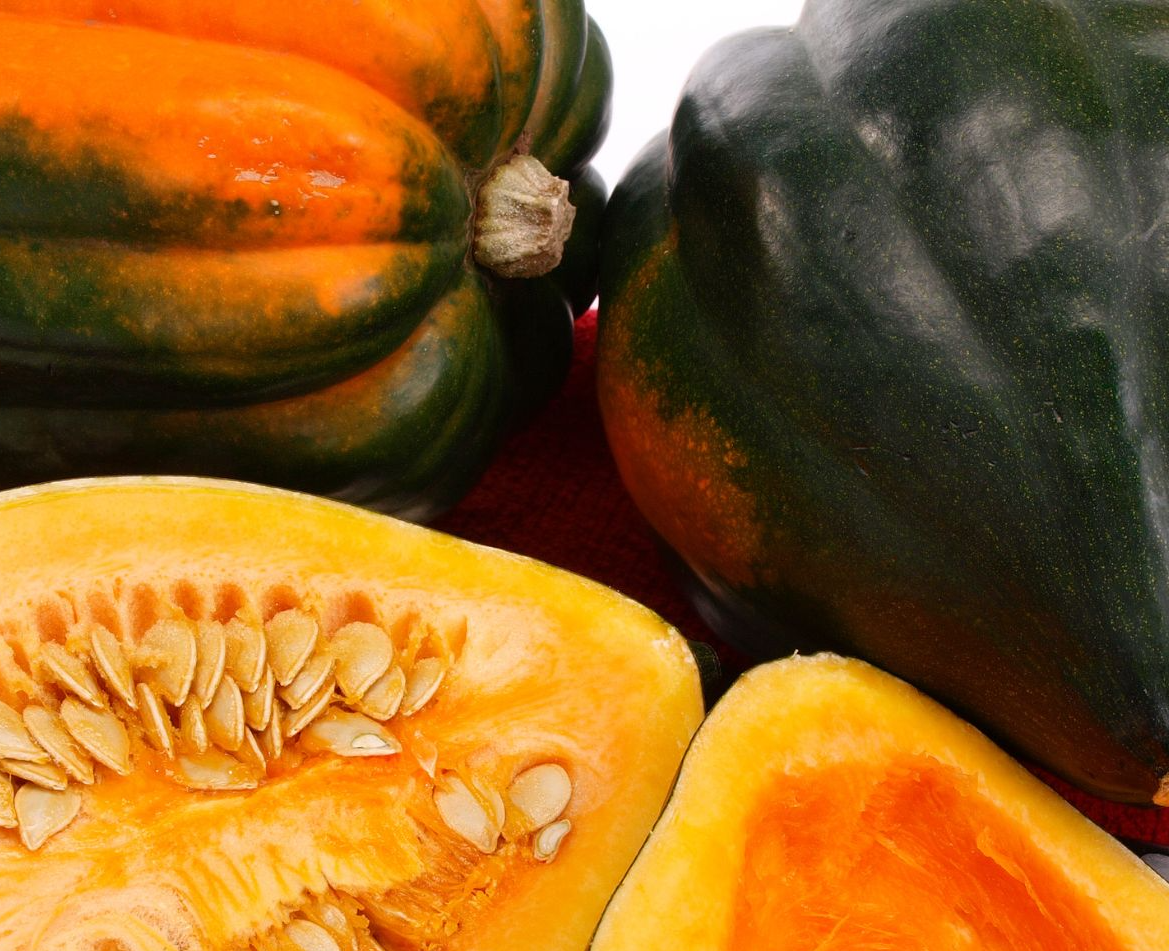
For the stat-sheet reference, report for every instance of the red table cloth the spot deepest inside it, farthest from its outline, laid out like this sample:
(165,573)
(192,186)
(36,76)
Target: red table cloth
(554,494)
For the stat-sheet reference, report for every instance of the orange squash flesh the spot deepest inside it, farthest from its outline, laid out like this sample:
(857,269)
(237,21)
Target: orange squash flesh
(539,667)
(826,805)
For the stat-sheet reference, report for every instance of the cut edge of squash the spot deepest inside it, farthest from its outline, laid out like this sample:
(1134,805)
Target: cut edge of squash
(807,715)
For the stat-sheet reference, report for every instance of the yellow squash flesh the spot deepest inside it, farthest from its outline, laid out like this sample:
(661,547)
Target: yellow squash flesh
(826,805)
(367,849)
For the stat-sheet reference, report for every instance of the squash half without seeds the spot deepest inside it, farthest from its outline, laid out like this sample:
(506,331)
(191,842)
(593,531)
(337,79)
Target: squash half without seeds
(240,719)
(825,804)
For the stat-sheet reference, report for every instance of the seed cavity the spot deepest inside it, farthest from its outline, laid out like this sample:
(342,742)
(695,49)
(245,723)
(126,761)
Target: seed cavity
(221,700)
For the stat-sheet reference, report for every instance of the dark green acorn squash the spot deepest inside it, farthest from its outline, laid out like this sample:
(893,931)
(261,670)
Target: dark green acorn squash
(882,358)
(251,241)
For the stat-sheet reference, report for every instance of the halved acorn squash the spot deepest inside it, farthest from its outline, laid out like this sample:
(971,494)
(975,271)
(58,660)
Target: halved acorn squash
(827,805)
(241,719)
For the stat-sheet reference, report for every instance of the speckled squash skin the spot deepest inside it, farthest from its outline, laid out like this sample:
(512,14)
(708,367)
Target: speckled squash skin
(235,240)
(881,358)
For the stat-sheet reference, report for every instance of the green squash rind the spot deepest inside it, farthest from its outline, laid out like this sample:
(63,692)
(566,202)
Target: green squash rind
(909,274)
(96,394)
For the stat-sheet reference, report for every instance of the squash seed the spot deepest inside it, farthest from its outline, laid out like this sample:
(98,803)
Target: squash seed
(382,700)
(492,802)
(43,813)
(155,722)
(212,662)
(464,814)
(547,841)
(15,741)
(48,729)
(422,683)
(112,664)
(216,770)
(225,716)
(166,658)
(364,652)
(101,734)
(349,734)
(8,818)
(541,793)
(193,727)
(250,753)
(258,704)
(272,739)
(71,672)
(298,719)
(307,683)
(292,638)
(247,653)
(309,936)
(46,775)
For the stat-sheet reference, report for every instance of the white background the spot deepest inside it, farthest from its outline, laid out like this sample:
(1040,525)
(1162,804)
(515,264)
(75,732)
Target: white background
(654,44)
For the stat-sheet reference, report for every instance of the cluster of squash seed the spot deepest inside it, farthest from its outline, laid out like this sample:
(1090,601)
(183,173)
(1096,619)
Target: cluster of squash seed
(222,700)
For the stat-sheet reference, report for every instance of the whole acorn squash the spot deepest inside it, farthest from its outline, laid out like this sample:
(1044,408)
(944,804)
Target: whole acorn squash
(882,358)
(291,243)
(233,718)
(825,804)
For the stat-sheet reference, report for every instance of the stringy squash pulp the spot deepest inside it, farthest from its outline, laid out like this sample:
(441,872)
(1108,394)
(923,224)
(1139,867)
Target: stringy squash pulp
(826,805)
(238,719)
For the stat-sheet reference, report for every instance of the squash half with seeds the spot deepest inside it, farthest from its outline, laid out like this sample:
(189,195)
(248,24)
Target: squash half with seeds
(240,719)
(333,246)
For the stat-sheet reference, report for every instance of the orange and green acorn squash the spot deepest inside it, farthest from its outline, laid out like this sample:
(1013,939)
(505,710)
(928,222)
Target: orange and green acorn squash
(269,241)
(234,718)
(827,805)
(882,358)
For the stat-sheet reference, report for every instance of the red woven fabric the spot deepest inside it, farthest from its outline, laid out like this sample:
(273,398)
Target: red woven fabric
(555,494)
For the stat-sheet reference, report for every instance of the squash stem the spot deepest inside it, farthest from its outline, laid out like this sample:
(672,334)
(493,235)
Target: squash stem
(523,218)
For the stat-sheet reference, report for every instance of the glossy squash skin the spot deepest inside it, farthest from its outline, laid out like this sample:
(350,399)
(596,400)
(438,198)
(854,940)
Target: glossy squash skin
(493,802)
(881,358)
(266,216)
(825,804)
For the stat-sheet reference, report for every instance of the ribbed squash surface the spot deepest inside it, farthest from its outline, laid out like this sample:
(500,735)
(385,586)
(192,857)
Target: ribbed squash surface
(234,209)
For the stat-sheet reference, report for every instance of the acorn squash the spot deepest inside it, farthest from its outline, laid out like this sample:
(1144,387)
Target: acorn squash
(233,718)
(283,244)
(880,358)
(825,804)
